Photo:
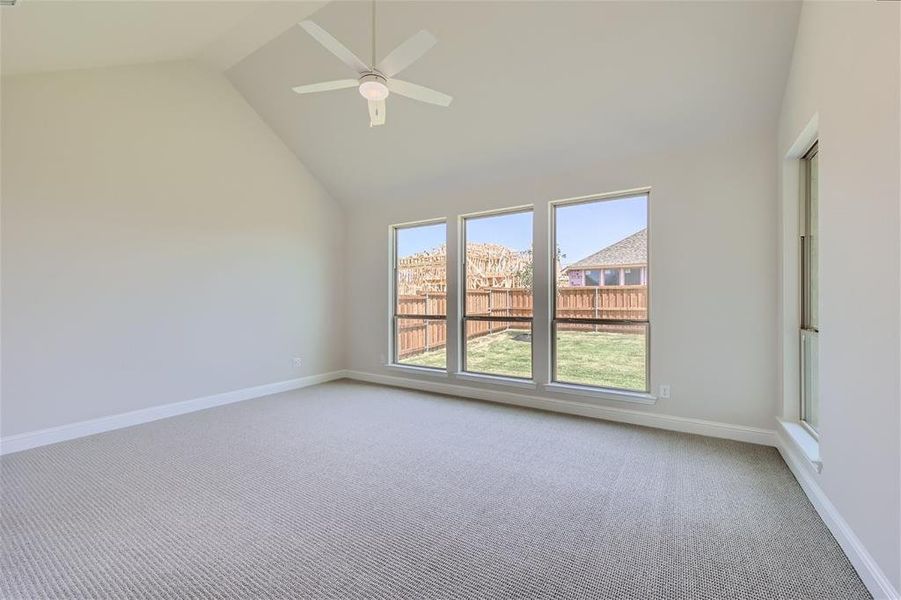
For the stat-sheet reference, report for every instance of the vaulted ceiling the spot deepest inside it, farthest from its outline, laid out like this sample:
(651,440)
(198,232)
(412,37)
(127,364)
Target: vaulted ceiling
(537,86)
(54,35)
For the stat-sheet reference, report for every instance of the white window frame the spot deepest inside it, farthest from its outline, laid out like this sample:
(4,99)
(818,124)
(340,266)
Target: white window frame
(394,316)
(552,288)
(799,438)
(807,329)
(464,372)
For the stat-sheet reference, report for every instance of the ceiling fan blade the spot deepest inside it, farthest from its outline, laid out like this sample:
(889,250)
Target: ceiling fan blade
(376,113)
(419,92)
(407,53)
(326,86)
(335,47)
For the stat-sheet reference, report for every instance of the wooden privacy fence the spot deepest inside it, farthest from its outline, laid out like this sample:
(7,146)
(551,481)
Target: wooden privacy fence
(414,336)
(626,303)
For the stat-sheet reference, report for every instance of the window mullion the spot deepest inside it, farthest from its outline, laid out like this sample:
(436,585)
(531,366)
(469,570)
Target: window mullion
(454,309)
(542,300)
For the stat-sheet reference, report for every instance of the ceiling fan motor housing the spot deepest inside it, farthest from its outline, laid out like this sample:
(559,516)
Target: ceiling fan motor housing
(372,79)
(374,86)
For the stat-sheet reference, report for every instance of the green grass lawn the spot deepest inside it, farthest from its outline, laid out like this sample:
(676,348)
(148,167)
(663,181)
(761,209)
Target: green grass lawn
(615,360)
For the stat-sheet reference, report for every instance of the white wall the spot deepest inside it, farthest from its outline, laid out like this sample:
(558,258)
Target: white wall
(159,243)
(845,73)
(713,269)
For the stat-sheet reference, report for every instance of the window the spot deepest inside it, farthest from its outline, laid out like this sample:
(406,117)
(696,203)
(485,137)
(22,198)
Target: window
(810,322)
(497,315)
(631,276)
(600,335)
(611,276)
(420,295)
(592,278)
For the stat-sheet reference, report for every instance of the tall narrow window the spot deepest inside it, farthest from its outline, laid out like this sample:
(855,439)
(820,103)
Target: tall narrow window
(601,325)
(810,321)
(420,295)
(497,316)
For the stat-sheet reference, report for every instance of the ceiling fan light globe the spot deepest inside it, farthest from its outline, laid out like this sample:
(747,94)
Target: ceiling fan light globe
(373,90)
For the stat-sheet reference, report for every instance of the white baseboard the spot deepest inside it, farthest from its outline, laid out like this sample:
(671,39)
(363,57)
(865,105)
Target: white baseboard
(741,433)
(52,435)
(873,577)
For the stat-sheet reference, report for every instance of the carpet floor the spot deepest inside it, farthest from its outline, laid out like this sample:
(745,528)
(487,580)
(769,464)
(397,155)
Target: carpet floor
(349,490)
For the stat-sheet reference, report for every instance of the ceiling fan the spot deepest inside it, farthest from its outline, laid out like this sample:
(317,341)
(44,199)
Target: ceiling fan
(376,80)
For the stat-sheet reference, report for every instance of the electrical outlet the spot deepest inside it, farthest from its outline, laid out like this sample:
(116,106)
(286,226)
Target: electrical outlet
(297,361)
(382,358)
(664,391)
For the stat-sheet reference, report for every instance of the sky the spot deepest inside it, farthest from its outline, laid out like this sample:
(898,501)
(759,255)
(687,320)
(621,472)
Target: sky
(582,229)
(513,231)
(411,240)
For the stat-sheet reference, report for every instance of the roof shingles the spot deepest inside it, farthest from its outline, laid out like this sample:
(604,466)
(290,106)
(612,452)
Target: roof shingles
(632,250)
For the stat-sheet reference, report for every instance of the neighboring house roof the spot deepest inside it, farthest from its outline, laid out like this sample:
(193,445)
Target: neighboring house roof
(632,250)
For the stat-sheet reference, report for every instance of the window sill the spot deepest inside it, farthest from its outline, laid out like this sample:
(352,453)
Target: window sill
(414,370)
(803,441)
(496,379)
(592,392)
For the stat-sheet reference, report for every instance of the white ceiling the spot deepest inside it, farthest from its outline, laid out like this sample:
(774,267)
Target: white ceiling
(536,85)
(51,35)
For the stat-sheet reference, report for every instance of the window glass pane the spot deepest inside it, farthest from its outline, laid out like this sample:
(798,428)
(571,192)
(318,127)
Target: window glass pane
(810,397)
(499,265)
(810,378)
(421,342)
(498,348)
(632,276)
(421,270)
(812,262)
(601,237)
(611,356)
(607,241)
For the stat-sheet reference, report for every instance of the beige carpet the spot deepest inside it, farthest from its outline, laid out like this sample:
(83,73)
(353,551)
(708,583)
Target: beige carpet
(349,490)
